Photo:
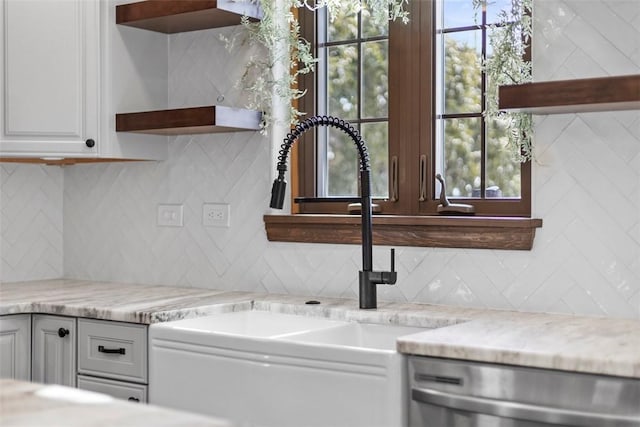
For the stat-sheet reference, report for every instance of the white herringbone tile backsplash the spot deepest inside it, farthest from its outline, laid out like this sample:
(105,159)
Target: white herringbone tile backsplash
(30,222)
(585,260)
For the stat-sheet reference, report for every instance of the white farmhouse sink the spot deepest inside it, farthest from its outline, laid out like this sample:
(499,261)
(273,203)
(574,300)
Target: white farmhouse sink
(359,335)
(270,369)
(263,324)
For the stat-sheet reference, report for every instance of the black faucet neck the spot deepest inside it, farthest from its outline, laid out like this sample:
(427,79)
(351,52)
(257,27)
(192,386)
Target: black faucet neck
(368,278)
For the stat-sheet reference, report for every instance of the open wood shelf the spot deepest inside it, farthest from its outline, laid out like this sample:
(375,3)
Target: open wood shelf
(176,16)
(573,96)
(195,120)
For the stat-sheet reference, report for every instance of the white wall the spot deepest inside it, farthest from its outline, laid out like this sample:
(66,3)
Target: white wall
(586,258)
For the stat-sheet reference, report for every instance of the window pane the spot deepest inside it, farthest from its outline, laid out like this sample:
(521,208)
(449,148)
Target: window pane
(376,135)
(463,72)
(459,13)
(342,81)
(462,157)
(342,162)
(503,173)
(343,27)
(369,27)
(494,7)
(375,80)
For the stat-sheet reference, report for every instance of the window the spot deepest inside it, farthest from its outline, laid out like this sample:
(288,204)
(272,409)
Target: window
(413,130)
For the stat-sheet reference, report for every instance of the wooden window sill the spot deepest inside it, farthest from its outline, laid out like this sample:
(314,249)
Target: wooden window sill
(513,233)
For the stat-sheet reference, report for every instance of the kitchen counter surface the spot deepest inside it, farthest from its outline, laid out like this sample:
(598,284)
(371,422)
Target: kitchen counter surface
(116,301)
(31,404)
(574,343)
(571,343)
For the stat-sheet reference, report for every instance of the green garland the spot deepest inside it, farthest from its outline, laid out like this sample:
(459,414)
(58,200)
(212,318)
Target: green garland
(259,79)
(510,37)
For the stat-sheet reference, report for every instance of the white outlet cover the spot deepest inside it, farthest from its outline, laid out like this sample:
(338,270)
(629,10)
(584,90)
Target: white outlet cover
(170,215)
(216,215)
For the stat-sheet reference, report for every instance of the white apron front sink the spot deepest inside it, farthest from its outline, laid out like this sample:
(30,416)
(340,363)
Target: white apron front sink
(301,372)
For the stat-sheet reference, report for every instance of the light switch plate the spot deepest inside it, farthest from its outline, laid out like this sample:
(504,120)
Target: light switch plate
(216,215)
(170,215)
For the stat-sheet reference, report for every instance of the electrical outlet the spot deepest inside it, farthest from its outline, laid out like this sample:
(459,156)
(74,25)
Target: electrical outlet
(170,215)
(216,215)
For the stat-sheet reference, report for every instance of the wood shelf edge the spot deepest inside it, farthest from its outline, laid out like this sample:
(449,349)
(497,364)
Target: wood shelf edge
(192,120)
(176,16)
(67,161)
(573,96)
(511,233)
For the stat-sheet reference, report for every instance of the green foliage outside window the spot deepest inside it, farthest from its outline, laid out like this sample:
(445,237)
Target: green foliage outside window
(462,153)
(342,99)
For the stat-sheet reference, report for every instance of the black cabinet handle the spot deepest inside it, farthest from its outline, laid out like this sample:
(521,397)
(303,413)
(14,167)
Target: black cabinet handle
(101,349)
(62,332)
(90,143)
(134,399)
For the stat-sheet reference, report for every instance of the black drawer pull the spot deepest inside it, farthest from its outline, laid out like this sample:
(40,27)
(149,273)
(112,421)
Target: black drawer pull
(134,399)
(101,349)
(62,332)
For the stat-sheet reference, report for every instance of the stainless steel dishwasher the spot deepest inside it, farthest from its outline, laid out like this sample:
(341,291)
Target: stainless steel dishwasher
(449,393)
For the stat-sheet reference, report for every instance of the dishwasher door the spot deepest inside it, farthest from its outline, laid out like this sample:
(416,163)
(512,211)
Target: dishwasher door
(448,393)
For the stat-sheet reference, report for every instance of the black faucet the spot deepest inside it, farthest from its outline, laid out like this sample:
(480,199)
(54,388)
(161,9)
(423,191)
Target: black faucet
(368,278)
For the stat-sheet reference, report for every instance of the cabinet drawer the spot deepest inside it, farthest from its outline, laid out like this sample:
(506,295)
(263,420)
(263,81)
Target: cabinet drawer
(117,389)
(112,349)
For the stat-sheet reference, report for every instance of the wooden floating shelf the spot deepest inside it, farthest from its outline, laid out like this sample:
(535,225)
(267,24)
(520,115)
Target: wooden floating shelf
(184,121)
(573,96)
(176,16)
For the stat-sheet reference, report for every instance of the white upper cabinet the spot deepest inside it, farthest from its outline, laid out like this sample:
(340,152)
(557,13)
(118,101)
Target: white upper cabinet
(65,67)
(50,54)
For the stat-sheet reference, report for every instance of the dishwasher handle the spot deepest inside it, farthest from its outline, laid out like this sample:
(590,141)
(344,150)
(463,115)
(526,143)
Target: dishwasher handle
(523,411)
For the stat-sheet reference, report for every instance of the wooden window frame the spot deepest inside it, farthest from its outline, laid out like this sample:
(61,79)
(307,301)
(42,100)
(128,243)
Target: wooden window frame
(407,221)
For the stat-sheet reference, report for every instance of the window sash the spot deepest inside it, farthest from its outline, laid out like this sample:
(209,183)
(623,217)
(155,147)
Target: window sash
(411,98)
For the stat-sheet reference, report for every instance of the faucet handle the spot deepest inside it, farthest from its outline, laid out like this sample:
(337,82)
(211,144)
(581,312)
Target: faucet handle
(393,260)
(390,277)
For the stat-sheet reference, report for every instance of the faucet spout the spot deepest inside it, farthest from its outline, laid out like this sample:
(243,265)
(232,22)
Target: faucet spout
(368,279)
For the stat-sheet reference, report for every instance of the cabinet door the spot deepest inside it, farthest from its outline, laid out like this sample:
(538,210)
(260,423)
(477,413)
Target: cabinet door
(54,350)
(15,347)
(50,58)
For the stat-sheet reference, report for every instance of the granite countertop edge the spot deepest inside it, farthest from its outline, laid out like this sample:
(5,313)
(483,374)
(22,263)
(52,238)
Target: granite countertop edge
(605,346)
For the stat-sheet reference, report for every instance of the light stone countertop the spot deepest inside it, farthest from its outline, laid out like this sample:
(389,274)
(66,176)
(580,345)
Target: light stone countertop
(573,343)
(116,301)
(31,404)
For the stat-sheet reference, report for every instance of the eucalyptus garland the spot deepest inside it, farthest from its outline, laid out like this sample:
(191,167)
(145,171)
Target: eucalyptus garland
(509,39)
(287,47)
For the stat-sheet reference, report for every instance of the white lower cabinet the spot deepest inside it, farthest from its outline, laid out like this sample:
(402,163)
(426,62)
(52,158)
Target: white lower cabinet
(15,346)
(96,355)
(118,389)
(54,350)
(112,358)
